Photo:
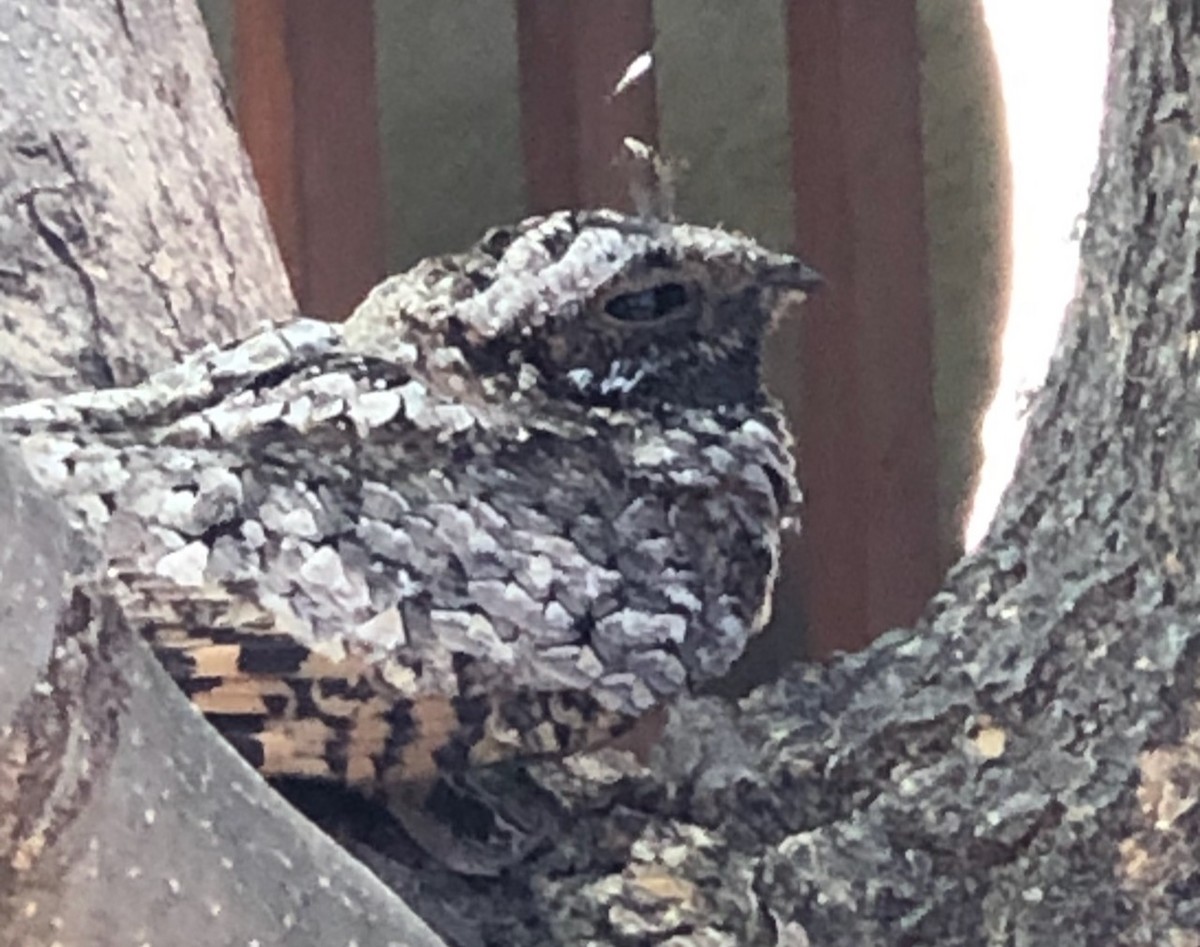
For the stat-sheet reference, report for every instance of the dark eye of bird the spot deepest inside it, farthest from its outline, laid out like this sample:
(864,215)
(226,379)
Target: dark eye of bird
(648,304)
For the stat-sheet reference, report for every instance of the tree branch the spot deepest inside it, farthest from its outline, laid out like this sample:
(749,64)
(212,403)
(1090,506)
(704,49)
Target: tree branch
(130,228)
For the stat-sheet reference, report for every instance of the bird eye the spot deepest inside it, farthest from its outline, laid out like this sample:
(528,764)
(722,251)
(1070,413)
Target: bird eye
(647,305)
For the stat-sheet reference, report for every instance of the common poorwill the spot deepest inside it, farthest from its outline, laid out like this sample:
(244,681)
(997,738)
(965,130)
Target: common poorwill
(525,494)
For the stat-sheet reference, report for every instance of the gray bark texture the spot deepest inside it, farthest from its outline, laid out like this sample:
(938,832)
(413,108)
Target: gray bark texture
(131,233)
(1022,767)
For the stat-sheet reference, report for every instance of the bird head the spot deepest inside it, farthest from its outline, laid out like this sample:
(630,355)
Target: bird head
(595,307)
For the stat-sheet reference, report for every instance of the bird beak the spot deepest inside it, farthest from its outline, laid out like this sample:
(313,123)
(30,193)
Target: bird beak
(790,282)
(794,275)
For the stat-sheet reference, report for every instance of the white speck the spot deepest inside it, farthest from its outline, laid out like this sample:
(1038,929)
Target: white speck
(386,628)
(541,573)
(581,378)
(299,523)
(404,679)
(253,533)
(677,595)
(472,633)
(184,566)
(629,628)
(405,353)
(720,459)
(375,407)
(323,567)
(527,377)
(221,483)
(414,395)
(447,356)
(616,381)
(557,617)
(653,454)
(455,417)
(756,430)
(149,816)
(638,148)
(638,67)
(299,413)
(305,335)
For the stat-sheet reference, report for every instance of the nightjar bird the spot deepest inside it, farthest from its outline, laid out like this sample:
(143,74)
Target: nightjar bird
(524,495)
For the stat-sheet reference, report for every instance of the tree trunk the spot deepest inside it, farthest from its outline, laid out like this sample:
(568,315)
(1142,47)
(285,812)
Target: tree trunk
(1022,767)
(130,227)
(130,233)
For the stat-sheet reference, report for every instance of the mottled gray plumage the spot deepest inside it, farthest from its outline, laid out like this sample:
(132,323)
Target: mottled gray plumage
(523,495)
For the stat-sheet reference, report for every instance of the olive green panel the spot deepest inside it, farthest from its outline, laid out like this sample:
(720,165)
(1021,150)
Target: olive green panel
(722,82)
(967,200)
(450,122)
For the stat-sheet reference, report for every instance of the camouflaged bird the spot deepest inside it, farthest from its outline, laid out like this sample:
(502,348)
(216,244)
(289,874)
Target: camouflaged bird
(524,495)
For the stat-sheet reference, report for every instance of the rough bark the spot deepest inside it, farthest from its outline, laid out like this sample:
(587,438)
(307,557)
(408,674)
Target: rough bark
(130,229)
(1022,767)
(130,233)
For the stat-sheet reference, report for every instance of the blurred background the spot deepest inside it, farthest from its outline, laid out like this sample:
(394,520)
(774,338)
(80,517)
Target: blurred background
(931,158)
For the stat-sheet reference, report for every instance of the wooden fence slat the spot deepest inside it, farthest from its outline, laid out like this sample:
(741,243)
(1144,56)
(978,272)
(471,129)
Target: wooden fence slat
(306,107)
(870,556)
(571,56)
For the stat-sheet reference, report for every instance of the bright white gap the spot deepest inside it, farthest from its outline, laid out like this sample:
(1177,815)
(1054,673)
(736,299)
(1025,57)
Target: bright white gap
(1052,59)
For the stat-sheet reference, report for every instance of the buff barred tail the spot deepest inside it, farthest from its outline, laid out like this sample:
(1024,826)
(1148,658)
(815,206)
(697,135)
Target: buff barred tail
(291,710)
